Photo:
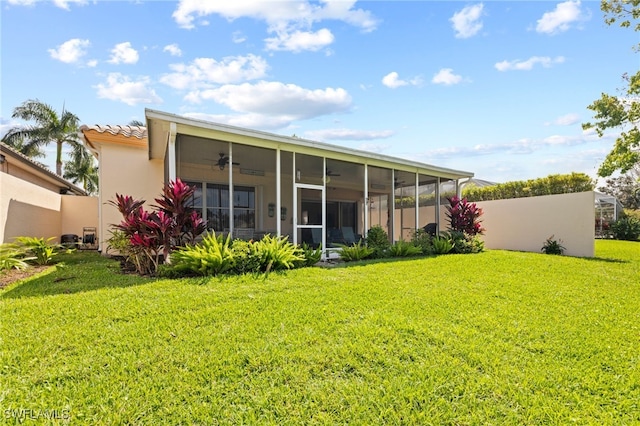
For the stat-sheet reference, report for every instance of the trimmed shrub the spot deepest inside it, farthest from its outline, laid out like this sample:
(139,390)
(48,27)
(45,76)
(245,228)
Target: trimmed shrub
(378,240)
(464,243)
(246,257)
(552,184)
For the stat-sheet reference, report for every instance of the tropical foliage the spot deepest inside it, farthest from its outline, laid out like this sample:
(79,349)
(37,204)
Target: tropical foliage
(626,228)
(464,216)
(48,126)
(553,246)
(154,235)
(622,111)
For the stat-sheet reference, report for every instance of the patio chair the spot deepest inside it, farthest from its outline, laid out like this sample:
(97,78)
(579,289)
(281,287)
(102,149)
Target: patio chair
(349,236)
(431,228)
(335,237)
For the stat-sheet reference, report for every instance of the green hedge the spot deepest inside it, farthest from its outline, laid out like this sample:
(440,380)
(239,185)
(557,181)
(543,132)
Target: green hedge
(552,184)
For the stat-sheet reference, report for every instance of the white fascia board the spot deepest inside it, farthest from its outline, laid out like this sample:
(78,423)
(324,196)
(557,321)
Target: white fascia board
(202,128)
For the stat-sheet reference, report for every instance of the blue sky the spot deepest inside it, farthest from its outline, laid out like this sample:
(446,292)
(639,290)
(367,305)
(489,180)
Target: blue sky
(499,88)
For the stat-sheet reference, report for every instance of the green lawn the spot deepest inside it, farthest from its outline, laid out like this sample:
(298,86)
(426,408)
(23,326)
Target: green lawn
(494,338)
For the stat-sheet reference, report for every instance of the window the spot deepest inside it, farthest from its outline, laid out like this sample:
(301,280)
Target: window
(213,202)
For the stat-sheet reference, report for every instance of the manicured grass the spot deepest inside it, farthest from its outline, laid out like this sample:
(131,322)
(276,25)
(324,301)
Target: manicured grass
(493,338)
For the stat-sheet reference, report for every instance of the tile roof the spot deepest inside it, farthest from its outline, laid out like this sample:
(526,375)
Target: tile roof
(138,132)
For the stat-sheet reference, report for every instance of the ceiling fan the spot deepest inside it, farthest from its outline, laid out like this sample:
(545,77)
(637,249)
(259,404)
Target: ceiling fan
(224,160)
(332,173)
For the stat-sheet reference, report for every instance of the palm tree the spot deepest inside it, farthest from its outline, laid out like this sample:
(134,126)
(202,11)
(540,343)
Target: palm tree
(49,127)
(30,151)
(82,169)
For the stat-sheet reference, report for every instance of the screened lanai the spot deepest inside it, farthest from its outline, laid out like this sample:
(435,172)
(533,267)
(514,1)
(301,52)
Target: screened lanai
(250,183)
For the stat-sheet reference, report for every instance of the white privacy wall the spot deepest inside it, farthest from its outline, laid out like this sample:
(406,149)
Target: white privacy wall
(525,223)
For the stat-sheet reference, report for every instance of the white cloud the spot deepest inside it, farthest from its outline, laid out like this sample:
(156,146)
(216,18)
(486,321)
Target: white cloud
(173,49)
(121,88)
(291,22)
(373,147)
(71,51)
(527,65)
(22,2)
(251,121)
(275,14)
(64,4)
(237,37)
(298,41)
(204,72)
(348,134)
(519,147)
(561,18)
(92,63)
(123,53)
(565,120)
(467,22)
(447,77)
(393,81)
(277,99)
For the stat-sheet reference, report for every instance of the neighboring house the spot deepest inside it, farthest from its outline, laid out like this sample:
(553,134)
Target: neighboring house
(36,202)
(250,183)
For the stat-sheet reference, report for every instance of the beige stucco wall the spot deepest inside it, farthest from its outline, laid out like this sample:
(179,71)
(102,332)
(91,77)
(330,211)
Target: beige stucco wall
(27,210)
(525,223)
(78,213)
(32,211)
(126,170)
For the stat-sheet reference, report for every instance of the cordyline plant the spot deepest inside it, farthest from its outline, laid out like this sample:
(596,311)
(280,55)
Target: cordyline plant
(464,216)
(157,233)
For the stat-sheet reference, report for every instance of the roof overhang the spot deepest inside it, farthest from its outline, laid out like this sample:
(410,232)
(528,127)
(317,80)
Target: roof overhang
(161,126)
(25,163)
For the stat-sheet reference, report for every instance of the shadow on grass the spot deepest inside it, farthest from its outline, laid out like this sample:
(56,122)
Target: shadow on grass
(75,273)
(605,259)
(342,264)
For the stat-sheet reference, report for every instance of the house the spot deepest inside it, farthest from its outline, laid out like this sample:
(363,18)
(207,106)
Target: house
(36,202)
(250,183)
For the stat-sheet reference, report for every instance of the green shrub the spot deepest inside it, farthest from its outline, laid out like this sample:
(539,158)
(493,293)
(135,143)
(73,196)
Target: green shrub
(12,256)
(441,245)
(464,243)
(378,240)
(551,246)
(212,256)
(276,253)
(246,257)
(404,249)
(311,255)
(424,240)
(627,228)
(355,252)
(42,250)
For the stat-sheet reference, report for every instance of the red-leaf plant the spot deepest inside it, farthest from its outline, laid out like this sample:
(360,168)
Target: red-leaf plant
(151,234)
(464,216)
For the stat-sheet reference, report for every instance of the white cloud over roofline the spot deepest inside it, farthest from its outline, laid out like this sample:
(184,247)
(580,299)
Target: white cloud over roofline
(206,72)
(276,99)
(348,134)
(122,88)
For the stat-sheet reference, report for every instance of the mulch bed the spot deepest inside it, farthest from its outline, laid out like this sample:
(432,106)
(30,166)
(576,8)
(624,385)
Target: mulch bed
(12,275)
